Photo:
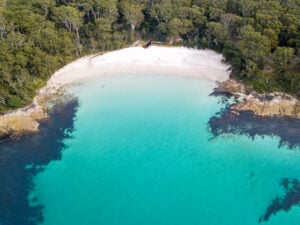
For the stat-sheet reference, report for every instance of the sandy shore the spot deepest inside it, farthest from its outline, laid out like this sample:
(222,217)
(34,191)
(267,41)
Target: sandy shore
(154,60)
(180,61)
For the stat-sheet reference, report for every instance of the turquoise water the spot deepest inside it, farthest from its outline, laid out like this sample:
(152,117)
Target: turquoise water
(142,154)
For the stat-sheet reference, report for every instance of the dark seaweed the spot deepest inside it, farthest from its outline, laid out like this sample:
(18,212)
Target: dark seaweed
(286,202)
(246,123)
(36,150)
(288,131)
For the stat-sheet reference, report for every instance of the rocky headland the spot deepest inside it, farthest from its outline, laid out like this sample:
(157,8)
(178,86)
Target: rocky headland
(27,120)
(271,104)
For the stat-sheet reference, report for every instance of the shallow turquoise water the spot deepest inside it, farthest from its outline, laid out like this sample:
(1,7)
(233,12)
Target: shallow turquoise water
(142,153)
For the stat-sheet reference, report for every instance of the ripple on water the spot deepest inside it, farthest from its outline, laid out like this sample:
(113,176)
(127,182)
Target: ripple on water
(142,152)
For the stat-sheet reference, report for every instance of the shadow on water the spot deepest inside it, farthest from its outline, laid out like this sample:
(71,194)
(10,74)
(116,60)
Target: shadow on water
(288,131)
(36,150)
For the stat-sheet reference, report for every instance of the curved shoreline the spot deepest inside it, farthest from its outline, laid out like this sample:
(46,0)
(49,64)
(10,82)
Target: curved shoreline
(180,61)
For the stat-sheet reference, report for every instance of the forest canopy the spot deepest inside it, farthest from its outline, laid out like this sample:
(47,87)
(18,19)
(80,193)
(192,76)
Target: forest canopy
(260,39)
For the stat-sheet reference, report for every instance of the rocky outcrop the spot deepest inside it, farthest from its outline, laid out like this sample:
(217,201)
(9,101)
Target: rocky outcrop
(277,104)
(174,40)
(26,120)
(273,104)
(230,87)
(21,121)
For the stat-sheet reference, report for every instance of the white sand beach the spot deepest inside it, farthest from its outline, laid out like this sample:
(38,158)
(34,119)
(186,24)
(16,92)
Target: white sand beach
(153,60)
(180,61)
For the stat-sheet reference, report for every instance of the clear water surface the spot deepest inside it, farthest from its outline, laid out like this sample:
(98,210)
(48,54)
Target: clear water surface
(142,154)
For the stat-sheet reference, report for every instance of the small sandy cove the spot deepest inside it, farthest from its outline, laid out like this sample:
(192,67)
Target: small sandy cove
(153,60)
(180,61)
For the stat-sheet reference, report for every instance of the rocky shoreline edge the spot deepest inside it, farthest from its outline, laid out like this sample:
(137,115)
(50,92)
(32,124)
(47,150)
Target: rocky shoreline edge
(275,104)
(27,120)
(161,59)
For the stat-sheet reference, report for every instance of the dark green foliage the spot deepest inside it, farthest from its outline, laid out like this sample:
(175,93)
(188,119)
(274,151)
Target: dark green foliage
(260,39)
(14,101)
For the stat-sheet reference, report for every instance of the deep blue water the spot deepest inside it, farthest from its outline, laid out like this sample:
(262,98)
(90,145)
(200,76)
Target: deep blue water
(150,150)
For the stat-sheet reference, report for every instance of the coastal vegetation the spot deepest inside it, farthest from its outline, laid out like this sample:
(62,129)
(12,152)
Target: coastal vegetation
(260,39)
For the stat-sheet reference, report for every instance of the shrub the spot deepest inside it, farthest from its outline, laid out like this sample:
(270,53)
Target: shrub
(14,101)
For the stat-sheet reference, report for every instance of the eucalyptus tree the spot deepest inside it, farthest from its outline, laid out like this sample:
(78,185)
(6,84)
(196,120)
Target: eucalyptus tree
(132,10)
(71,19)
(283,55)
(254,48)
(3,24)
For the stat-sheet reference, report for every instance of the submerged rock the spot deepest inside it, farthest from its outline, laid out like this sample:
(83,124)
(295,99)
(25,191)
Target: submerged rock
(227,123)
(285,203)
(21,159)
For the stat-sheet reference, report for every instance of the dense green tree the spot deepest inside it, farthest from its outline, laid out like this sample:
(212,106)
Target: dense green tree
(14,101)
(283,55)
(132,11)
(162,11)
(253,46)
(216,35)
(71,19)
(39,36)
